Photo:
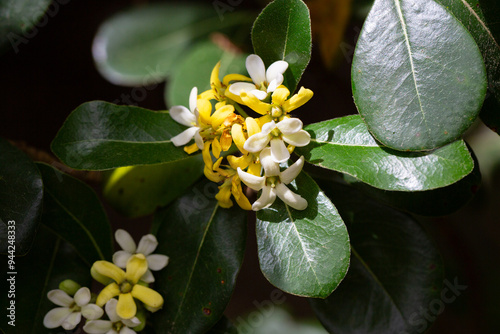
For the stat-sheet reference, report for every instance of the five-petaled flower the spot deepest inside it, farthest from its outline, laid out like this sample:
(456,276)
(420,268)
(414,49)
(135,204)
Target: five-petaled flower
(273,183)
(72,309)
(114,325)
(264,82)
(147,245)
(188,117)
(124,284)
(288,130)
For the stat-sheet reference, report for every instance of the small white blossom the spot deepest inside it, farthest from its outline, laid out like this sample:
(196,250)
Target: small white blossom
(190,118)
(273,183)
(288,130)
(264,82)
(147,245)
(114,325)
(72,309)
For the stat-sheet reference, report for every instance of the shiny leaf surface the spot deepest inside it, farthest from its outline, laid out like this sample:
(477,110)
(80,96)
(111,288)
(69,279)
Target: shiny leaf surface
(100,135)
(345,145)
(305,253)
(418,77)
(283,32)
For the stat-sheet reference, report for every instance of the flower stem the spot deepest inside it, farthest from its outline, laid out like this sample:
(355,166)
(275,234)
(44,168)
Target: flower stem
(240,109)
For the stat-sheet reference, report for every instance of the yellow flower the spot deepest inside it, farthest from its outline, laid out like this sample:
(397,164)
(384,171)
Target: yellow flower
(218,88)
(231,186)
(247,160)
(279,106)
(124,284)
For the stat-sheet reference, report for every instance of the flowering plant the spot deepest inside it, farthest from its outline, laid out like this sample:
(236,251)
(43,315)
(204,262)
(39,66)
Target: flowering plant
(331,202)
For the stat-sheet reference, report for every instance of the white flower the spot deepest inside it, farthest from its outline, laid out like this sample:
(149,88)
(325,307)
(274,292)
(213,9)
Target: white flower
(147,245)
(288,130)
(273,183)
(73,308)
(264,82)
(114,325)
(186,117)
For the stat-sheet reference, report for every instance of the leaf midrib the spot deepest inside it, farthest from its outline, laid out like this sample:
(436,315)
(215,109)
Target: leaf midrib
(483,24)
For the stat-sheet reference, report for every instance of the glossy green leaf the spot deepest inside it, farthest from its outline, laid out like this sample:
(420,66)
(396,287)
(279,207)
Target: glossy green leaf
(418,78)
(394,282)
(49,262)
(435,202)
(100,135)
(195,70)
(21,194)
(18,20)
(478,18)
(72,210)
(305,253)
(139,190)
(345,145)
(143,45)
(206,244)
(283,32)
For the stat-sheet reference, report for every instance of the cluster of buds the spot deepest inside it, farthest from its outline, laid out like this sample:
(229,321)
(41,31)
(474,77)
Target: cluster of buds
(125,315)
(217,118)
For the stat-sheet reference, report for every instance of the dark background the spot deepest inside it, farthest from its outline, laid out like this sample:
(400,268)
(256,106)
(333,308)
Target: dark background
(53,73)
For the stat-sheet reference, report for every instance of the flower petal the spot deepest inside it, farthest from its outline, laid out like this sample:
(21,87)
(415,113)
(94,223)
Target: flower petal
(265,200)
(131,322)
(220,115)
(298,100)
(59,297)
(271,168)
(257,142)
(276,70)
(290,198)
(300,139)
(147,244)
(185,136)
(204,110)
(92,312)
(259,94)
(72,320)
(256,69)
(289,174)
(148,277)
(193,98)
(111,310)
(239,87)
(280,95)
(108,269)
(124,239)
(223,197)
(98,326)
(110,291)
(126,307)
(238,137)
(275,84)
(252,126)
(100,278)
(182,115)
(127,330)
(252,181)
(198,140)
(234,77)
(251,101)
(82,296)
(136,267)
(289,125)
(279,151)
(148,296)
(157,261)
(120,258)
(55,317)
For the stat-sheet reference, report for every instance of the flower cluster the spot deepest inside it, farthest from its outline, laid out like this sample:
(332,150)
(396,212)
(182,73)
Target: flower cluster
(216,119)
(125,315)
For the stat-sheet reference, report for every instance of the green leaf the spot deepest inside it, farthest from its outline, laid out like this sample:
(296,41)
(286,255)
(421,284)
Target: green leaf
(345,145)
(100,135)
(138,190)
(195,70)
(206,244)
(435,202)
(143,45)
(472,15)
(395,277)
(305,253)
(21,194)
(18,19)
(50,261)
(418,78)
(283,32)
(72,210)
